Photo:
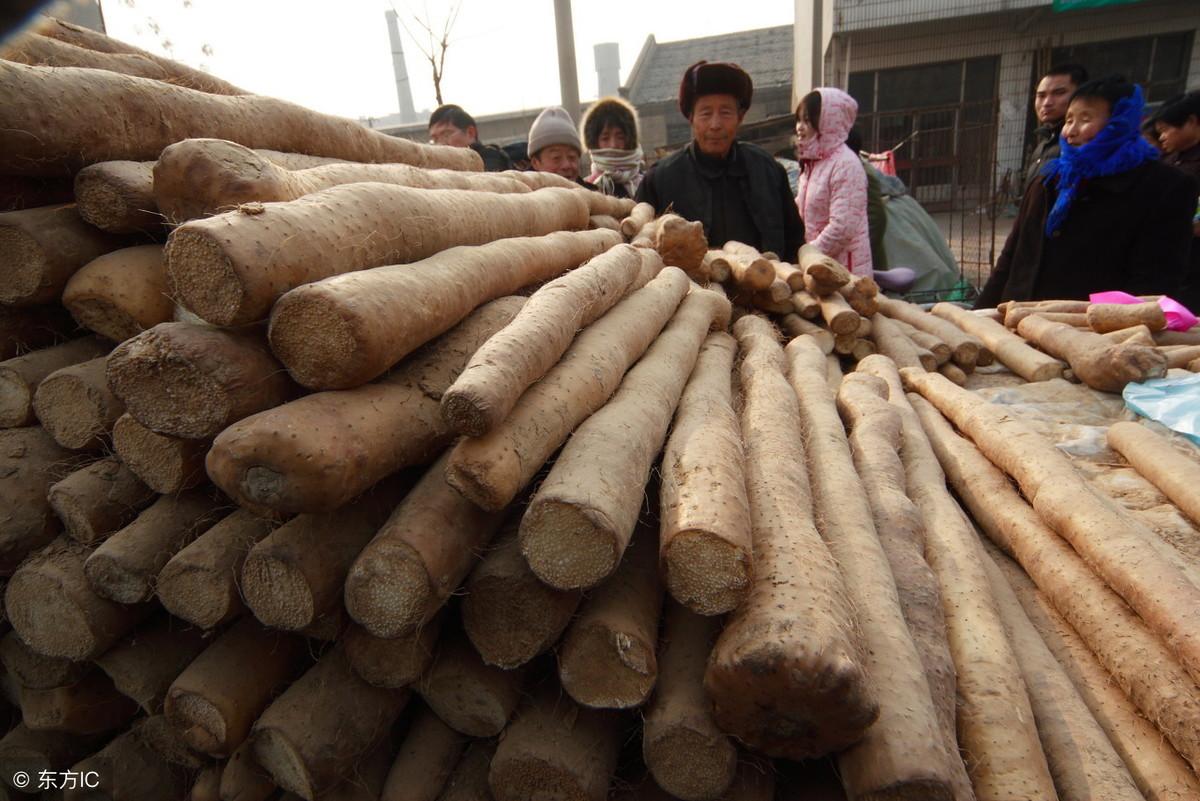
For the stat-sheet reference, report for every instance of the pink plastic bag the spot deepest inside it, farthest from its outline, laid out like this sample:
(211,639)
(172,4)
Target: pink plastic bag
(1179,318)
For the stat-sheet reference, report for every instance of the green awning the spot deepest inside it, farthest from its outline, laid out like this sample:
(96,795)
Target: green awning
(1073,5)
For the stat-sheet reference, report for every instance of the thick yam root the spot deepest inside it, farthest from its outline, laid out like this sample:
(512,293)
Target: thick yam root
(243,779)
(193,381)
(1097,362)
(216,267)
(683,748)
(75,405)
(23,750)
(392,663)
(579,521)
(427,757)
(313,735)
(167,465)
(823,275)
(128,770)
(704,537)
(214,702)
(143,665)
(505,366)
(118,197)
(91,706)
(30,464)
(43,247)
(964,347)
(641,214)
(796,326)
(20,376)
(557,748)
(55,611)
(200,583)
(1174,474)
(121,294)
(471,697)
(838,316)
(607,659)
(795,691)
(1106,317)
(509,614)
(420,555)
(34,671)
(491,470)
(891,342)
(682,244)
(469,781)
(351,439)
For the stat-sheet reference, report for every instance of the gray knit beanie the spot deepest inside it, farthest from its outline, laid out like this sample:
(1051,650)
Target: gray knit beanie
(553,127)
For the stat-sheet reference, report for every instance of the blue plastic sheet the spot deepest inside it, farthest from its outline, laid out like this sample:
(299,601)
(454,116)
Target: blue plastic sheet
(1174,402)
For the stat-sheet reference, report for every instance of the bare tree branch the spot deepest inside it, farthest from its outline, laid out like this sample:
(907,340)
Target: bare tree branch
(435,52)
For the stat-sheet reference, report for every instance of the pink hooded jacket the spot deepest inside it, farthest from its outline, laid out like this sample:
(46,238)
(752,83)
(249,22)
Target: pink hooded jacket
(832,194)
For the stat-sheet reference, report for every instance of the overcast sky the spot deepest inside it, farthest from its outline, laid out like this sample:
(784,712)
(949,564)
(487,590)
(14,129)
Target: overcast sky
(335,56)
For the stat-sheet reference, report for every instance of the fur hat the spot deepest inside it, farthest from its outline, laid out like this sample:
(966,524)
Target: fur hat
(610,111)
(553,126)
(714,78)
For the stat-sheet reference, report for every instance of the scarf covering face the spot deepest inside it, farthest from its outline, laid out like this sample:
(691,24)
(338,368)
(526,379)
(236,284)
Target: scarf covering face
(1119,147)
(611,167)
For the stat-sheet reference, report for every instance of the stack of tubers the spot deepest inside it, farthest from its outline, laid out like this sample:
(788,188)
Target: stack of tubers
(384,478)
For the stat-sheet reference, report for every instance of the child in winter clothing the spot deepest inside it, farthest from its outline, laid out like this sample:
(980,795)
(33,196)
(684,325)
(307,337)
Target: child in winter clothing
(832,193)
(610,134)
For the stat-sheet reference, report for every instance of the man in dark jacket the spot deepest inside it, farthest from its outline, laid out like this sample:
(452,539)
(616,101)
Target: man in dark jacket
(736,189)
(450,125)
(1050,101)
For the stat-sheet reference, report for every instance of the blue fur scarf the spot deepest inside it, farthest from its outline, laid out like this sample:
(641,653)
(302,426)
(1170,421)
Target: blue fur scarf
(1118,147)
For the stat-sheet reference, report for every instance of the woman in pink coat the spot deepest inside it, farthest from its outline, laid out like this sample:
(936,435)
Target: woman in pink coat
(832,193)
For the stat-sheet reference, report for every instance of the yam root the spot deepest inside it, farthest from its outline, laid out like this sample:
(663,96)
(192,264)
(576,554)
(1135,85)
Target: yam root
(32,327)
(427,757)
(1127,647)
(215,700)
(217,269)
(121,294)
(704,536)
(748,268)
(55,611)
(193,381)
(791,275)
(604,221)
(312,736)
(1081,759)
(683,748)
(862,293)
(138,131)
(892,342)
(795,326)
(1158,770)
(923,339)
(715,266)
(806,305)
(1181,356)
(128,769)
(118,197)
(143,665)
(1010,349)
(641,214)
(419,556)
(396,662)
(43,247)
(75,405)
(99,499)
(90,706)
(30,464)
(347,441)
(491,470)
(823,275)
(510,361)
(167,465)
(200,583)
(509,614)
(243,779)
(471,697)
(200,177)
(469,781)
(838,316)
(294,575)
(1106,317)
(681,243)
(579,521)
(845,521)
(787,689)
(954,373)
(1191,337)
(21,375)
(124,566)
(607,658)
(553,743)
(23,750)
(964,347)
(1097,362)
(34,671)
(1175,475)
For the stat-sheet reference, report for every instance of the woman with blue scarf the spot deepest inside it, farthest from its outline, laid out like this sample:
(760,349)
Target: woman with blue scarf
(1105,215)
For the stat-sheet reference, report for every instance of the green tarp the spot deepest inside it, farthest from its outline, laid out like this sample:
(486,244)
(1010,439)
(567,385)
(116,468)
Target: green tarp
(1072,5)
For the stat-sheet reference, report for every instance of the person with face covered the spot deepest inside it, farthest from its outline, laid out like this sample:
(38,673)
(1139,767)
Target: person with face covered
(737,190)
(832,193)
(610,136)
(1105,215)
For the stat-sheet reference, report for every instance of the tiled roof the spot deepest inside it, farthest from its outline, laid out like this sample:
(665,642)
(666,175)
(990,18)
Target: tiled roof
(765,53)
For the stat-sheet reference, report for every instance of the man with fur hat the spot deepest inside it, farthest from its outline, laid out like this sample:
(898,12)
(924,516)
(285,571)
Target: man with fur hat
(736,189)
(554,145)
(610,133)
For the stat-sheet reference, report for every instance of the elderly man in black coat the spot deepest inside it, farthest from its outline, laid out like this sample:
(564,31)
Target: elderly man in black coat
(736,189)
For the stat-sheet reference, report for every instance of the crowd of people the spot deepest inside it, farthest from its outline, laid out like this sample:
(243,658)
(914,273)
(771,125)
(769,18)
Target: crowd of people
(1110,194)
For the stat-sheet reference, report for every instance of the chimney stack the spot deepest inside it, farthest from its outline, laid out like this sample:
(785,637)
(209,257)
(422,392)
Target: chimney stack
(608,68)
(403,88)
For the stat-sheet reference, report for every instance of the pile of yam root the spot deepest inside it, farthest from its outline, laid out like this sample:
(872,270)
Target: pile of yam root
(334,468)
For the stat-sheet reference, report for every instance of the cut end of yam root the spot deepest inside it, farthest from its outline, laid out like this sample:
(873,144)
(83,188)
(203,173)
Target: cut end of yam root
(44,613)
(590,675)
(689,763)
(389,597)
(568,547)
(165,464)
(277,592)
(197,267)
(293,322)
(199,722)
(286,766)
(465,414)
(72,409)
(705,572)
(19,249)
